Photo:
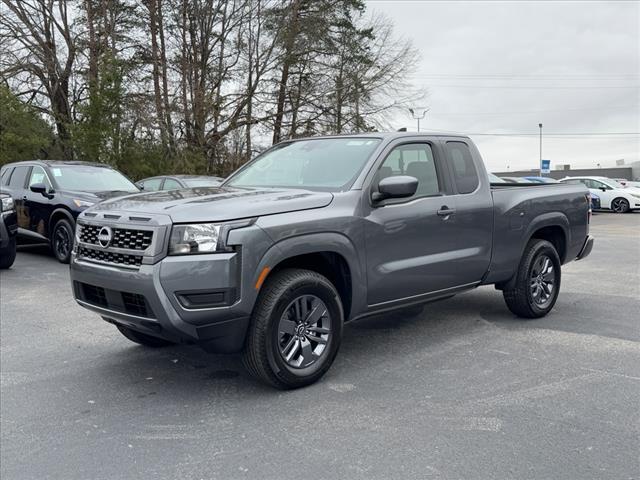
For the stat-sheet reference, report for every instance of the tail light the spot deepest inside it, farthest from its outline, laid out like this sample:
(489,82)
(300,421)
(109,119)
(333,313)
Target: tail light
(587,196)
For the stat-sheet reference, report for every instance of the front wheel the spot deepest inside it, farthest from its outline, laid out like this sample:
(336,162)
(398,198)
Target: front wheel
(62,240)
(620,205)
(8,254)
(295,329)
(537,282)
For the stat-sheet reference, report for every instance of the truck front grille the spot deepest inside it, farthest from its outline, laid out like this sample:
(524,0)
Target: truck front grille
(106,256)
(122,237)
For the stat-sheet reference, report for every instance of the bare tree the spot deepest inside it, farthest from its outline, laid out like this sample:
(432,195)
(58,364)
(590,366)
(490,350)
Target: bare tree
(39,46)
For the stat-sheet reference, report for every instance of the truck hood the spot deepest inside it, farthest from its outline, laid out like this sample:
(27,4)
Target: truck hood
(216,204)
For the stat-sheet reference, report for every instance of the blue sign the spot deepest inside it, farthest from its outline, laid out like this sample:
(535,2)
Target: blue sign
(545,166)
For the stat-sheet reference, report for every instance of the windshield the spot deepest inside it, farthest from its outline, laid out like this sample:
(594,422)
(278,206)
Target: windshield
(86,178)
(495,179)
(329,164)
(202,182)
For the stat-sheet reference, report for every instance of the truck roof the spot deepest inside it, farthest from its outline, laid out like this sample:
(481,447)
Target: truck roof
(385,135)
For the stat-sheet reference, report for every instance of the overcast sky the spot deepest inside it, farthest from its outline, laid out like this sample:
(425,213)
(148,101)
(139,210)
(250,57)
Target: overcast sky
(504,67)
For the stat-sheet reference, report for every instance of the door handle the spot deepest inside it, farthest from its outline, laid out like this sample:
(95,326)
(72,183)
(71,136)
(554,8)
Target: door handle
(24,197)
(445,211)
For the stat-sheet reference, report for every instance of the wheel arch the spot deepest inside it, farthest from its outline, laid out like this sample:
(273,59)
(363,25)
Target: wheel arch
(57,215)
(329,254)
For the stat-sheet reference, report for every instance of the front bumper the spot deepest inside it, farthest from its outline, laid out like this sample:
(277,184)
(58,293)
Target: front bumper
(155,299)
(586,248)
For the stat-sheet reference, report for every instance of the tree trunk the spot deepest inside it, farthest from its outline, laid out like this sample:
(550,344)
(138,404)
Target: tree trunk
(288,60)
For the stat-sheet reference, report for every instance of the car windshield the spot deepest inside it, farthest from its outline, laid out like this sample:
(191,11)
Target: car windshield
(329,164)
(87,178)
(495,179)
(201,182)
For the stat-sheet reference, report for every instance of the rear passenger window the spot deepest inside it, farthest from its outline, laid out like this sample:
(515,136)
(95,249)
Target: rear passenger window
(152,185)
(4,176)
(414,160)
(465,174)
(18,177)
(171,184)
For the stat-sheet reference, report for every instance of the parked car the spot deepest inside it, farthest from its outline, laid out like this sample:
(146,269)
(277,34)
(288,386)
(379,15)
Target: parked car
(8,231)
(49,195)
(613,196)
(175,182)
(315,232)
(541,179)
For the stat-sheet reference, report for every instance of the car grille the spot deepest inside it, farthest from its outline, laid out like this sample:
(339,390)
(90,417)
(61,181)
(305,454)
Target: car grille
(122,237)
(126,302)
(105,256)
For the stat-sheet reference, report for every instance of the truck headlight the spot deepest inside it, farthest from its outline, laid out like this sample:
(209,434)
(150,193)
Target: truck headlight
(203,237)
(7,204)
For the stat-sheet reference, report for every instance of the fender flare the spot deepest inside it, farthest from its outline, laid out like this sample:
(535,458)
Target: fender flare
(333,242)
(57,212)
(550,219)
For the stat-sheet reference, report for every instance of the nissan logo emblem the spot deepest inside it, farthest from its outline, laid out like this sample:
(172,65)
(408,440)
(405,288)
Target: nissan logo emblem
(104,236)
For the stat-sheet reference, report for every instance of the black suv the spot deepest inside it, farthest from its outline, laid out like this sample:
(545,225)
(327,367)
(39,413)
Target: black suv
(49,195)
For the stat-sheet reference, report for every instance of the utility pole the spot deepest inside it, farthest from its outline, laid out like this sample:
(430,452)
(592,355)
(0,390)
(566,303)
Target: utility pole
(540,164)
(416,117)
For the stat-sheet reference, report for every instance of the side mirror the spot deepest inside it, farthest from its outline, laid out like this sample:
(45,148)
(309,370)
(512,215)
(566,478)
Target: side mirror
(401,186)
(139,185)
(40,188)
(604,189)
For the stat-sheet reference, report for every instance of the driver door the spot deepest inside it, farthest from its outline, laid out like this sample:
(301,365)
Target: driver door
(408,239)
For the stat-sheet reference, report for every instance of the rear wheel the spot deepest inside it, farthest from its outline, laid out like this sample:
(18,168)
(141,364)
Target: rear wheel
(142,338)
(295,330)
(620,205)
(537,281)
(8,254)
(62,240)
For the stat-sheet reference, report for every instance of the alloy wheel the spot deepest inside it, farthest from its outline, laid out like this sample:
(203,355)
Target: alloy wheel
(62,242)
(619,205)
(542,280)
(304,331)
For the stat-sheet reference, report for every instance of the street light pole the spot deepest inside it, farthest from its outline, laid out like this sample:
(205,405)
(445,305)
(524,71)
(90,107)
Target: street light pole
(540,164)
(416,117)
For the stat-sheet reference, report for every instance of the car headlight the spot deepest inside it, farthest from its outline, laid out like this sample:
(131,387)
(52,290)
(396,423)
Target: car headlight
(82,203)
(202,237)
(636,195)
(7,204)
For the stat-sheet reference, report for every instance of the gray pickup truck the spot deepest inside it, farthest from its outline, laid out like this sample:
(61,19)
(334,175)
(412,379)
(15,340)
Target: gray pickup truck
(317,232)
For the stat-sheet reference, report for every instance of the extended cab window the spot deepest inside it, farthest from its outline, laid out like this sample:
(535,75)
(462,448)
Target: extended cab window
(415,160)
(464,171)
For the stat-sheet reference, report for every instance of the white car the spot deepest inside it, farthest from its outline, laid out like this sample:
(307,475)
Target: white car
(613,195)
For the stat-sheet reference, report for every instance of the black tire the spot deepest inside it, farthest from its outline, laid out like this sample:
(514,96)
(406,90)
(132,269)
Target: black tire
(263,353)
(522,299)
(8,254)
(620,205)
(143,339)
(62,240)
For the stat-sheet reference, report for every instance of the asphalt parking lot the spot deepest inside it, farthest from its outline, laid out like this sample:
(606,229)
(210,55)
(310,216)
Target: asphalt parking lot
(465,390)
